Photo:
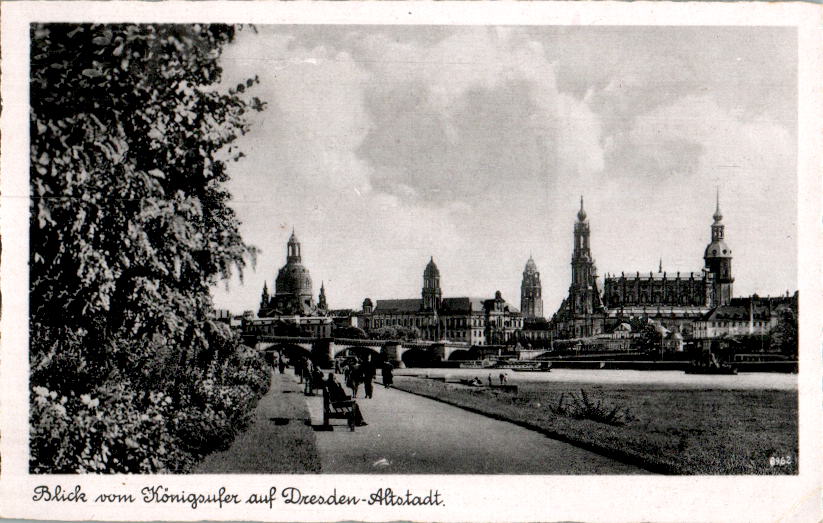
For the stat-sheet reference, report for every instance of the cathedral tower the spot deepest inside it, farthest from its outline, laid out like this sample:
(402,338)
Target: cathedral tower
(583,294)
(718,258)
(431,287)
(531,292)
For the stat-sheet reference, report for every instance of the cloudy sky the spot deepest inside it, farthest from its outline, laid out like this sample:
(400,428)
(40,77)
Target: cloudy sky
(384,145)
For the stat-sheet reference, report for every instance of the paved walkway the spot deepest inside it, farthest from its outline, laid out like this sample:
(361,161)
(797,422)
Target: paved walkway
(409,434)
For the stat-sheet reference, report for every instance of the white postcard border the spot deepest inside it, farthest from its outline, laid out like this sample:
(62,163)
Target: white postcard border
(487,498)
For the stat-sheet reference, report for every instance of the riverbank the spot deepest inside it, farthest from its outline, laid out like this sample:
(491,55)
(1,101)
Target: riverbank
(668,429)
(277,441)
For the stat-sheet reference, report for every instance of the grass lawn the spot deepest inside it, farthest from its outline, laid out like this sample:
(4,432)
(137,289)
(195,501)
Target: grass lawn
(277,441)
(670,430)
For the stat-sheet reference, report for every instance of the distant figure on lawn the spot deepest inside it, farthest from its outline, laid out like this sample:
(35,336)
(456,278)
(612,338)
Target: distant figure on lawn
(502,379)
(490,379)
(337,393)
(388,378)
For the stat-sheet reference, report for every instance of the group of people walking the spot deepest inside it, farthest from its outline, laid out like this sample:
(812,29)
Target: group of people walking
(357,371)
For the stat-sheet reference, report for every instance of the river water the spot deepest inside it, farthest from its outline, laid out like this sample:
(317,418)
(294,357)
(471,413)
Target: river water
(666,378)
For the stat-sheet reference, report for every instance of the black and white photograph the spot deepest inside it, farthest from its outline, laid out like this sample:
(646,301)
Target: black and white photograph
(479,250)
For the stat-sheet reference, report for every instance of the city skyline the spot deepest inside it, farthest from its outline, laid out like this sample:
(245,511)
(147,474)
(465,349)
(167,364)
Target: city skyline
(476,151)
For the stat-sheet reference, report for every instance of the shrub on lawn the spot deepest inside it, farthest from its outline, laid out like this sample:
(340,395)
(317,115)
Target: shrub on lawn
(581,407)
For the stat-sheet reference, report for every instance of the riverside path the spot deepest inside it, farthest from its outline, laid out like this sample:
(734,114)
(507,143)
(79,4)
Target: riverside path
(409,434)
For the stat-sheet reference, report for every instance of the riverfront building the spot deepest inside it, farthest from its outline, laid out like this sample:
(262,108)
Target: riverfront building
(749,316)
(474,321)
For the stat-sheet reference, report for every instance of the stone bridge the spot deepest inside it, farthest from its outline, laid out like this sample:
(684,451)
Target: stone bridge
(397,352)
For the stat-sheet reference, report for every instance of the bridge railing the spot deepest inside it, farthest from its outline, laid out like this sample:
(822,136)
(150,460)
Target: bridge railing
(359,342)
(289,339)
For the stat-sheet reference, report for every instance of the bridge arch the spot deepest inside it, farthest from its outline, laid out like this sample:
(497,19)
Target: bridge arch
(292,351)
(362,351)
(462,354)
(418,357)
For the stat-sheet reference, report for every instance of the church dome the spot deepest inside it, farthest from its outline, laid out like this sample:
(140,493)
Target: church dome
(431,270)
(367,303)
(718,249)
(293,278)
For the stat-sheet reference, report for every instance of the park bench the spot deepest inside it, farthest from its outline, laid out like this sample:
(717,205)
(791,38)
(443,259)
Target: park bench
(341,409)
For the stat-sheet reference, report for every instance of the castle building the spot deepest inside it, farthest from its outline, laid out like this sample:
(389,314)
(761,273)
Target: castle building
(672,299)
(474,321)
(531,292)
(293,289)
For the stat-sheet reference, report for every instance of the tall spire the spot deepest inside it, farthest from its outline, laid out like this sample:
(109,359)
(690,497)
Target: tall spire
(717,214)
(321,299)
(660,267)
(581,214)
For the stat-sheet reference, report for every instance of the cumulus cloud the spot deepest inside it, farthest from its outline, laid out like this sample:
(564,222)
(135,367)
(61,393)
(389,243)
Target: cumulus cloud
(385,145)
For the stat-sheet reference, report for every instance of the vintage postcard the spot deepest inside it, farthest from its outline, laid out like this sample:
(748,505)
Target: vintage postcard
(381,261)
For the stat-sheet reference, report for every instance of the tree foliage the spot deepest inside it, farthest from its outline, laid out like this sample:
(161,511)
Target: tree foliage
(130,132)
(784,335)
(349,332)
(649,339)
(396,332)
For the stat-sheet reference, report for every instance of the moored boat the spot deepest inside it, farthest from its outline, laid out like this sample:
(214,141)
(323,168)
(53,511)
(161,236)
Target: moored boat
(544,366)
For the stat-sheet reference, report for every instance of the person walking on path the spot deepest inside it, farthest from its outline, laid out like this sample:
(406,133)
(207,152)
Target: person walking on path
(298,369)
(368,378)
(388,378)
(308,375)
(281,364)
(354,378)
